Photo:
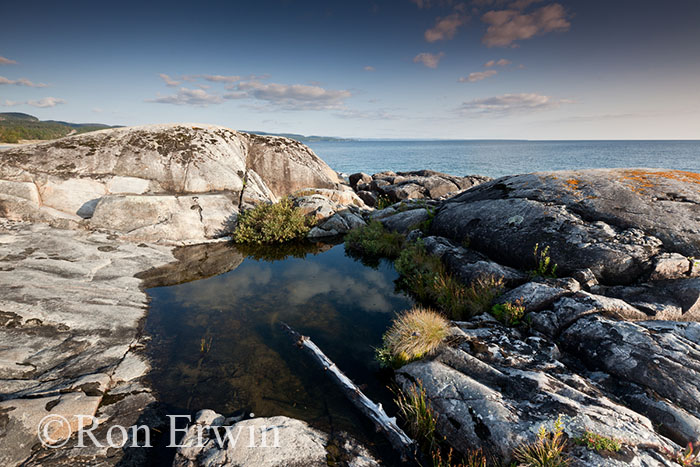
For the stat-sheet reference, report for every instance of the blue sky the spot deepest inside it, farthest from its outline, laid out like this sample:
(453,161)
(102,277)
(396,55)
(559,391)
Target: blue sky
(579,69)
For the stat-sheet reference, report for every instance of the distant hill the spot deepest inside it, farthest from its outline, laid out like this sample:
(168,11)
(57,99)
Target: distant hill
(300,138)
(15,126)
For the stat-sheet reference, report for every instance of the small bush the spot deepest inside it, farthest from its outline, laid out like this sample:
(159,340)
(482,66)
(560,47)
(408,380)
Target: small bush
(426,277)
(412,335)
(510,314)
(543,263)
(597,442)
(373,242)
(421,420)
(383,202)
(547,451)
(272,223)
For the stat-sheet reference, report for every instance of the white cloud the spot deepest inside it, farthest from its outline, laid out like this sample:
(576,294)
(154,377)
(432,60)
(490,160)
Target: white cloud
(294,96)
(46,102)
(478,76)
(9,103)
(508,26)
(428,59)
(510,103)
(366,114)
(445,28)
(522,4)
(289,97)
(184,96)
(221,78)
(500,62)
(168,80)
(369,68)
(21,82)
(7,61)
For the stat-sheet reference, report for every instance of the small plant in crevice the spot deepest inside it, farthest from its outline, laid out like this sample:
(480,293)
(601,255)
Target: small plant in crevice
(373,242)
(444,458)
(546,451)
(543,263)
(510,314)
(412,335)
(272,223)
(598,442)
(688,457)
(205,345)
(420,418)
(383,202)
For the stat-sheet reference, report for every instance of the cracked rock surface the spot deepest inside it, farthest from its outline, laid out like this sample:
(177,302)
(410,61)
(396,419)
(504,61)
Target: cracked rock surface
(70,317)
(613,346)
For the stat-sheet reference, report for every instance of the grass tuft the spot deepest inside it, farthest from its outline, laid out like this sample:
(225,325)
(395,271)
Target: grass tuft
(427,278)
(413,335)
(272,223)
(546,451)
(420,418)
(543,263)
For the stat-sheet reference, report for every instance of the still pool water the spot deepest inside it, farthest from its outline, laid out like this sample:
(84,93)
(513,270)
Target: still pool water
(217,342)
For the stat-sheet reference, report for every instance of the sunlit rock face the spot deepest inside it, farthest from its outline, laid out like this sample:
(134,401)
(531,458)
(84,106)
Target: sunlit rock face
(163,183)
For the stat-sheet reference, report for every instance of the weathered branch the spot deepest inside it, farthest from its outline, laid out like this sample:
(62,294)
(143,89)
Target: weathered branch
(387,425)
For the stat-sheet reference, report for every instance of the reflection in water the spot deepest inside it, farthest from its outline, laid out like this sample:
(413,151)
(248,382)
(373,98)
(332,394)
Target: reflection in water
(217,342)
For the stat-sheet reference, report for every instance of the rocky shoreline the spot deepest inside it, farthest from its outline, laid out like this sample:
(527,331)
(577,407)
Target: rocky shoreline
(611,346)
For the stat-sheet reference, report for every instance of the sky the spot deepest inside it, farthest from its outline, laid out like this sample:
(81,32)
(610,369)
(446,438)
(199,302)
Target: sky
(404,69)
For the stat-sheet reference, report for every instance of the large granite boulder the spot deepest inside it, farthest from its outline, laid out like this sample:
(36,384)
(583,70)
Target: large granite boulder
(163,182)
(617,222)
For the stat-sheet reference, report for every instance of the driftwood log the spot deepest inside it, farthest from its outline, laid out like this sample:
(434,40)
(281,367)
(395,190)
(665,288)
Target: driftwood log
(399,440)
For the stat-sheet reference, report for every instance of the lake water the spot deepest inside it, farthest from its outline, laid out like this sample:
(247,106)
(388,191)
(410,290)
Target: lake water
(499,158)
(217,342)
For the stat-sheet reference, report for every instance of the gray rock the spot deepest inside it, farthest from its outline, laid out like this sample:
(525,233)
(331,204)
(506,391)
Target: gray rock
(359,177)
(404,222)
(494,387)
(661,356)
(70,326)
(339,223)
(605,220)
(278,441)
(663,299)
(468,265)
(368,197)
(414,185)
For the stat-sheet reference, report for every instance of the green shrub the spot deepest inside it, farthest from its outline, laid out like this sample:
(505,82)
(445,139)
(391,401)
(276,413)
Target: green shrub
(425,276)
(597,442)
(373,242)
(546,451)
(272,223)
(510,314)
(413,335)
(383,202)
(543,263)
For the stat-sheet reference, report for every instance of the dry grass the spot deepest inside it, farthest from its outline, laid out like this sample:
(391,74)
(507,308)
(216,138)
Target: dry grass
(413,335)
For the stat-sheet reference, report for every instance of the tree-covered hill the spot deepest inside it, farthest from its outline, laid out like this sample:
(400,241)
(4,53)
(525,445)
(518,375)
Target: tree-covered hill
(15,126)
